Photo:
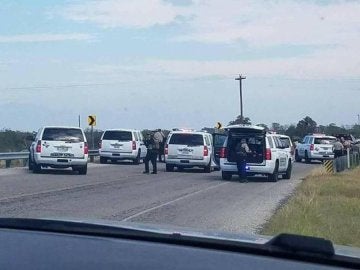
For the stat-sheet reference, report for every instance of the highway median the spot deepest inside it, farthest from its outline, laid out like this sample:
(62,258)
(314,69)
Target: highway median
(323,205)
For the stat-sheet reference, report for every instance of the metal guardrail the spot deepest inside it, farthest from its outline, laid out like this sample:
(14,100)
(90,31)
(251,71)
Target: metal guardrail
(346,162)
(24,156)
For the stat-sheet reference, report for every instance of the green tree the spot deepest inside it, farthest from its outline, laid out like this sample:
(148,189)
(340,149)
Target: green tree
(238,120)
(264,126)
(306,126)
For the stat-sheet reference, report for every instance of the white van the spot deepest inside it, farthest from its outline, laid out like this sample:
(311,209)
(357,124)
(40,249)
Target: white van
(122,144)
(187,149)
(59,147)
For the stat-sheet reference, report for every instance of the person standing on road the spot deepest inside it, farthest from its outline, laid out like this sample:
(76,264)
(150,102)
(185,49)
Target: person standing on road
(160,137)
(152,152)
(338,149)
(241,150)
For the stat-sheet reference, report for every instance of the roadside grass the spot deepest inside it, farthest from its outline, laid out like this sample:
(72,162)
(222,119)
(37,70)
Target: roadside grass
(326,206)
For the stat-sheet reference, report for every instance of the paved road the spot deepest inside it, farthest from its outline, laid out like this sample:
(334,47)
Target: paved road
(121,192)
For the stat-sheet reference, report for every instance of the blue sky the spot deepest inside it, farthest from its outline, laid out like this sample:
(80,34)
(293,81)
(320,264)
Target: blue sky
(153,63)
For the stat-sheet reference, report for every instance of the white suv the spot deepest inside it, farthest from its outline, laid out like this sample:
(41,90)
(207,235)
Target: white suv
(187,149)
(315,147)
(59,147)
(122,144)
(268,155)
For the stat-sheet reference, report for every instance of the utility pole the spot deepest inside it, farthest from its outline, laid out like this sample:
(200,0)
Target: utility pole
(240,78)
(79,120)
(358,119)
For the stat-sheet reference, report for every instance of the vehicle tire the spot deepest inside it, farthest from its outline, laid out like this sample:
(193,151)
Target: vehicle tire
(180,169)
(83,170)
(207,169)
(103,160)
(36,168)
(297,158)
(307,160)
(30,163)
(169,168)
(226,175)
(274,177)
(288,171)
(137,159)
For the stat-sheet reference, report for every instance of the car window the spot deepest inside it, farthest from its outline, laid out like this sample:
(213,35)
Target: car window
(219,140)
(207,140)
(271,144)
(136,136)
(187,139)
(122,136)
(285,141)
(324,140)
(62,134)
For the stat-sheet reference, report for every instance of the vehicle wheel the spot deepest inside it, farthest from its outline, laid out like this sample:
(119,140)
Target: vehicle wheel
(103,160)
(297,158)
(138,159)
(207,168)
(275,175)
(307,160)
(180,169)
(226,175)
(288,171)
(169,168)
(36,168)
(30,163)
(83,170)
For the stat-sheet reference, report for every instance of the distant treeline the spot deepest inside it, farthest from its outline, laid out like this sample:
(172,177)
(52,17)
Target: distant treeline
(14,141)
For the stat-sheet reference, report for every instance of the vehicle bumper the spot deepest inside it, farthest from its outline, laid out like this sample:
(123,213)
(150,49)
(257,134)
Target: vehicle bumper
(321,156)
(231,167)
(118,155)
(61,162)
(188,162)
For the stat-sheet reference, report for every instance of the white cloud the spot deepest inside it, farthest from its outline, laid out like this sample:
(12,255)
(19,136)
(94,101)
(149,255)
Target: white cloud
(119,13)
(45,37)
(326,64)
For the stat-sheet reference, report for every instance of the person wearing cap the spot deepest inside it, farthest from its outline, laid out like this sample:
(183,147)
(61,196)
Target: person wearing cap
(152,152)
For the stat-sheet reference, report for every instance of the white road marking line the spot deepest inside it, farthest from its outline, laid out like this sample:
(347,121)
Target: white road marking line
(173,201)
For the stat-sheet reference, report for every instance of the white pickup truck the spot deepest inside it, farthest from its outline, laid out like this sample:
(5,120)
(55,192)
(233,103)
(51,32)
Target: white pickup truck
(315,147)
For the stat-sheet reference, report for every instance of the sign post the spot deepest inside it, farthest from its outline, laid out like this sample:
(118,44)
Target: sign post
(92,123)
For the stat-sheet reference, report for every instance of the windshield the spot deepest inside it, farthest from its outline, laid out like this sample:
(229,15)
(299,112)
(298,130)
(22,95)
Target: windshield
(212,115)
(122,136)
(187,139)
(62,134)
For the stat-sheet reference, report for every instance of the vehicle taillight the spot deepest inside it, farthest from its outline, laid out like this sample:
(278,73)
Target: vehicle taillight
(38,146)
(206,151)
(166,150)
(292,151)
(86,148)
(100,144)
(268,154)
(133,145)
(311,147)
(223,152)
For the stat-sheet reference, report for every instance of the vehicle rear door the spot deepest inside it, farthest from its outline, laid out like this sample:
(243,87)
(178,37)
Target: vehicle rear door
(282,153)
(62,143)
(218,143)
(142,145)
(288,146)
(117,141)
(324,146)
(186,146)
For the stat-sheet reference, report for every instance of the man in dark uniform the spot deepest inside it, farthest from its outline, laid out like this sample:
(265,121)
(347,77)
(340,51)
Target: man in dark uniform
(152,153)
